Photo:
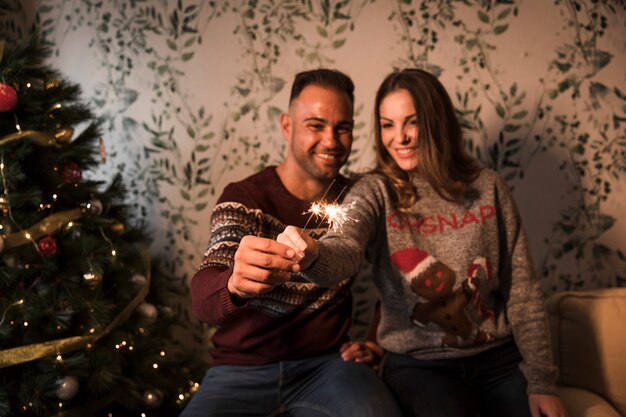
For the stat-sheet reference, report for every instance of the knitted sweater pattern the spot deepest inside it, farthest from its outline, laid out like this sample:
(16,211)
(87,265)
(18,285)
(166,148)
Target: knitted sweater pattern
(296,319)
(455,279)
(231,220)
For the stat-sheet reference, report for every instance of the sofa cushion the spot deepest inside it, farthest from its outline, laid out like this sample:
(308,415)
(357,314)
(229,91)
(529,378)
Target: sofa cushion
(589,340)
(583,403)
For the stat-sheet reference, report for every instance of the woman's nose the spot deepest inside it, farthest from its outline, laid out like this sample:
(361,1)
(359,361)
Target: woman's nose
(403,136)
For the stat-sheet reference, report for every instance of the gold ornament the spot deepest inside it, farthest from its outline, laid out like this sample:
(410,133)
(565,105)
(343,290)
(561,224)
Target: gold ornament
(53,108)
(117,228)
(50,84)
(4,205)
(64,135)
(103,152)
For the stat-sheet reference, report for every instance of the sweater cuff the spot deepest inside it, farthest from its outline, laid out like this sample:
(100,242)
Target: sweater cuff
(541,380)
(226,299)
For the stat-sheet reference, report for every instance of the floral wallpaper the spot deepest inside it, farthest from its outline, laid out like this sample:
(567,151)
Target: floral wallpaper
(190,93)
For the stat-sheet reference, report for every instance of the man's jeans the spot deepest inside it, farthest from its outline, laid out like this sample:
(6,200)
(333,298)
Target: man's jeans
(489,383)
(321,386)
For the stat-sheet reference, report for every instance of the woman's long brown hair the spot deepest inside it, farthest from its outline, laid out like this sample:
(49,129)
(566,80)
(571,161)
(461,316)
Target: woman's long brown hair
(442,158)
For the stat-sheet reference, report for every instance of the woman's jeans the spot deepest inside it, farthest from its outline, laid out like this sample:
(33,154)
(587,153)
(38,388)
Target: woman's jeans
(323,386)
(489,383)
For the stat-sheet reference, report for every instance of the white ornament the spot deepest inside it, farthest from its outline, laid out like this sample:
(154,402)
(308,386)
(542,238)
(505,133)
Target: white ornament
(139,280)
(148,311)
(67,387)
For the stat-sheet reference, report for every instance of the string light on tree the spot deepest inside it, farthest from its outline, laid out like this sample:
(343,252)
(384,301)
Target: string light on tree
(153,398)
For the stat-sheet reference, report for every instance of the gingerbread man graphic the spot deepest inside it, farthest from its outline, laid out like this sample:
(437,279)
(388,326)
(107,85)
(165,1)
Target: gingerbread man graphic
(433,281)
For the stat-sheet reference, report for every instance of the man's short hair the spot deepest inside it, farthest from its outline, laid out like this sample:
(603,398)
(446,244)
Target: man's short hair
(322,77)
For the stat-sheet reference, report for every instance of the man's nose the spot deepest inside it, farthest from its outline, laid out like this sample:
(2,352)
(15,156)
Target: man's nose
(330,136)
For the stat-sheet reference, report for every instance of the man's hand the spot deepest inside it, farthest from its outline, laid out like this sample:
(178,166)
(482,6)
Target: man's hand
(260,265)
(307,249)
(546,405)
(365,352)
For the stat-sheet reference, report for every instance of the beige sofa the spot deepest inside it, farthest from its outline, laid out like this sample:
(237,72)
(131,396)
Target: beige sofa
(588,331)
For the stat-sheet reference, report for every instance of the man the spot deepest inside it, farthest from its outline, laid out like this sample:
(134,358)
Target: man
(281,343)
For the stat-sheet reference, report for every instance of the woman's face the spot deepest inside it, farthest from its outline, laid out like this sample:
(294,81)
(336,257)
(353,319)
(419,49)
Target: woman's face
(398,128)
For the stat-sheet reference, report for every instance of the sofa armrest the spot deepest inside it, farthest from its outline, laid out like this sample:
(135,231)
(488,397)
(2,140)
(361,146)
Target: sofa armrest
(582,403)
(588,332)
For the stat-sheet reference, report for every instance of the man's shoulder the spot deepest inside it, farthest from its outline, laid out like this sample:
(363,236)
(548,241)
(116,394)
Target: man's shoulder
(253,189)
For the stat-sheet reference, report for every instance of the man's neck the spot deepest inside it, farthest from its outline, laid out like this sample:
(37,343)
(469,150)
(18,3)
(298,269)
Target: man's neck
(300,185)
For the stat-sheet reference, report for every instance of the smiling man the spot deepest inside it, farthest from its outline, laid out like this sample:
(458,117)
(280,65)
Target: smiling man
(281,345)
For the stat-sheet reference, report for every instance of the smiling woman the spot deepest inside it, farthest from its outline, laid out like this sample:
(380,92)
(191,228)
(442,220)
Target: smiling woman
(399,130)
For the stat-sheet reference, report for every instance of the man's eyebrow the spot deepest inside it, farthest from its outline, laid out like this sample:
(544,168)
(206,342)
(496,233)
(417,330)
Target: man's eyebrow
(316,119)
(324,121)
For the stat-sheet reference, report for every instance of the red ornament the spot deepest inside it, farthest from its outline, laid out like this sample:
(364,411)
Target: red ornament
(71,173)
(47,246)
(8,97)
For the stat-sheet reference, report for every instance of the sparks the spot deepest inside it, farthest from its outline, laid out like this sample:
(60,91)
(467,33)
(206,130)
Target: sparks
(335,214)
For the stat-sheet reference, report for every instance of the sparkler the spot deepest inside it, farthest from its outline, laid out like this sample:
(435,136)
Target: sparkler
(335,214)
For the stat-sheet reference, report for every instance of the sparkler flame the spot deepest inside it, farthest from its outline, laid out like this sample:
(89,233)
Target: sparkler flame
(335,214)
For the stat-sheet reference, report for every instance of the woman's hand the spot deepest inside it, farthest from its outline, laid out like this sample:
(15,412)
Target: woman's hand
(307,249)
(366,352)
(546,405)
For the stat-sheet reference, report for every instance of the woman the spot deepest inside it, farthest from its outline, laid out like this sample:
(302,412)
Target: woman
(462,313)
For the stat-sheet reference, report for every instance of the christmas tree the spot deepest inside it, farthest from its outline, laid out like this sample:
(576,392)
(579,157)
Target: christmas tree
(85,325)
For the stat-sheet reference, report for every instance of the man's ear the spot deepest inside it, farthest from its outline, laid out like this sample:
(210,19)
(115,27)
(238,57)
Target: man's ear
(286,126)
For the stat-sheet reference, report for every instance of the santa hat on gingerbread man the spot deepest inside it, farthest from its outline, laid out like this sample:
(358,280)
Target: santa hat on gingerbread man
(412,262)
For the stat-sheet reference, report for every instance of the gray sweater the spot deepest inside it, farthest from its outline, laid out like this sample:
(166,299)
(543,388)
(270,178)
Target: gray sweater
(454,279)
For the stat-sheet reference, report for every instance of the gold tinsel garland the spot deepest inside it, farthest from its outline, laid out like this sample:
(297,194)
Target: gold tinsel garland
(47,226)
(23,354)
(40,138)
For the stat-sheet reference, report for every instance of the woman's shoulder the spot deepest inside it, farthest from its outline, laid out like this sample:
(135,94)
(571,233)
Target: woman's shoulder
(370,183)
(488,177)
(373,180)
(492,183)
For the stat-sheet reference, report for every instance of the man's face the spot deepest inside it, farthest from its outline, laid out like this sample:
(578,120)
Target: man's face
(318,129)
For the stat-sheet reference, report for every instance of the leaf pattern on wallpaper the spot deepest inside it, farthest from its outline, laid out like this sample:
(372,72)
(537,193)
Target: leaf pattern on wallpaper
(594,144)
(314,32)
